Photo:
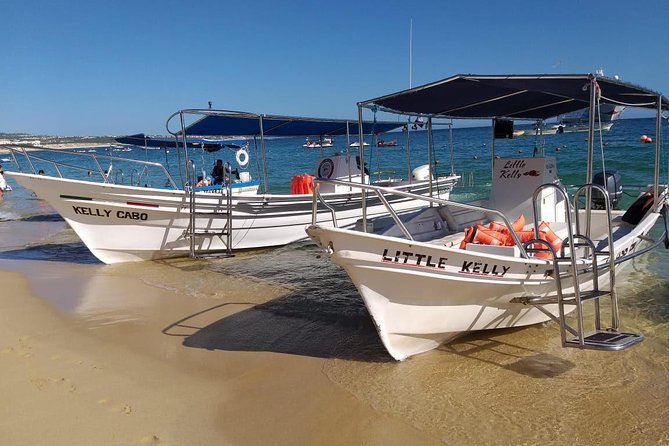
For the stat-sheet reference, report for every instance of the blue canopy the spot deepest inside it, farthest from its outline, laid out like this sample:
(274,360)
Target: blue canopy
(210,145)
(216,123)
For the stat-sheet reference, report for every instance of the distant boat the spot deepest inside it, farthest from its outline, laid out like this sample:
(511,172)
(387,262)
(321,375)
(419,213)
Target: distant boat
(317,143)
(382,143)
(578,121)
(357,144)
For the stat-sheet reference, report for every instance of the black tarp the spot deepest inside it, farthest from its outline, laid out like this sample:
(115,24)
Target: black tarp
(512,96)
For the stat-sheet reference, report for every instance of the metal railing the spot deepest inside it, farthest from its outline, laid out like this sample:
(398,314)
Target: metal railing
(612,271)
(94,167)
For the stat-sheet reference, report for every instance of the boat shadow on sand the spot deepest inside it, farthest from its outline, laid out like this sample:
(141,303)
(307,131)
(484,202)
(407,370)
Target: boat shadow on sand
(281,326)
(55,242)
(52,252)
(321,316)
(325,317)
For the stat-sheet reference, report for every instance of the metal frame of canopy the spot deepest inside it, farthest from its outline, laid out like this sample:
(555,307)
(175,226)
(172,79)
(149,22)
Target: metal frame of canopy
(246,124)
(536,97)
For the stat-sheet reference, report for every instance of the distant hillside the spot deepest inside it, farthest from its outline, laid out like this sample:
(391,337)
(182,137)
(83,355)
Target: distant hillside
(26,138)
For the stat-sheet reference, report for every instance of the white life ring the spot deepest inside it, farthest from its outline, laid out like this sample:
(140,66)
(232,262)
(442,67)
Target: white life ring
(242,157)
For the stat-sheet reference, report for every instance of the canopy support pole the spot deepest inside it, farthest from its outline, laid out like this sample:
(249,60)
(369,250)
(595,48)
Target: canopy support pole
(591,149)
(450,144)
(658,144)
(361,147)
(406,139)
(492,151)
(256,156)
(348,150)
(262,151)
(183,135)
(429,153)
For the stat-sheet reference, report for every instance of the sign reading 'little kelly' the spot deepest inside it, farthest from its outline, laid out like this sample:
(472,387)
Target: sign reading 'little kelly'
(429,261)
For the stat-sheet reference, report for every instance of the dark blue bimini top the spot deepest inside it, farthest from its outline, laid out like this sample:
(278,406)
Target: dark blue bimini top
(142,140)
(216,123)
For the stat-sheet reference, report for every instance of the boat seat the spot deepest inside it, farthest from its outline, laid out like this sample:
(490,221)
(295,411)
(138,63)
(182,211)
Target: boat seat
(620,231)
(424,225)
(458,218)
(450,241)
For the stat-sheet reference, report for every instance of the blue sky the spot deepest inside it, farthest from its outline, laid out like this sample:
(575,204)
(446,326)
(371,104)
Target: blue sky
(119,67)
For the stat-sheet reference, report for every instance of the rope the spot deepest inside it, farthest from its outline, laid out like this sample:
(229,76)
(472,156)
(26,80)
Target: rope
(601,137)
(375,140)
(450,143)
(613,101)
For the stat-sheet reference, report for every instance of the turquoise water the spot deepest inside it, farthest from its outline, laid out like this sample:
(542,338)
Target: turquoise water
(622,147)
(471,159)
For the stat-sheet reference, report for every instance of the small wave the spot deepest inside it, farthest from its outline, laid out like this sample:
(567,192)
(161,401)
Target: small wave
(52,252)
(43,217)
(9,216)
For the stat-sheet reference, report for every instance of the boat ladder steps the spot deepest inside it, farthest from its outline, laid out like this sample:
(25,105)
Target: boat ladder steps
(211,214)
(599,338)
(205,233)
(212,255)
(195,230)
(605,340)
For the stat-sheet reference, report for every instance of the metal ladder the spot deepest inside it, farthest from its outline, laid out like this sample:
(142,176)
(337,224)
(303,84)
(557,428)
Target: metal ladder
(598,338)
(192,232)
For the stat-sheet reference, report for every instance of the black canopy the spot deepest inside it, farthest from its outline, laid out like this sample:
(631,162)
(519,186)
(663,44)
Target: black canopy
(512,96)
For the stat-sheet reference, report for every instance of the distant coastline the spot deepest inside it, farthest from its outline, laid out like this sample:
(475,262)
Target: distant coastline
(35,142)
(4,148)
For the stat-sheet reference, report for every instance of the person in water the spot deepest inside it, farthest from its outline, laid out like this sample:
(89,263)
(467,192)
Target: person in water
(3,182)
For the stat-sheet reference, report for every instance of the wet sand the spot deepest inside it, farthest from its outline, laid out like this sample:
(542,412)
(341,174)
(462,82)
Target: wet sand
(247,351)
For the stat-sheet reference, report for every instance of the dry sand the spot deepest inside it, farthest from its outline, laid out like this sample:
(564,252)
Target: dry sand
(86,379)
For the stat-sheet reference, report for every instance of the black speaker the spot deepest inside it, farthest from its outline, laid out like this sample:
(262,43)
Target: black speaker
(503,128)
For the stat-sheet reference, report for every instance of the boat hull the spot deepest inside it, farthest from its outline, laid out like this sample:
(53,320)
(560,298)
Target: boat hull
(421,295)
(124,223)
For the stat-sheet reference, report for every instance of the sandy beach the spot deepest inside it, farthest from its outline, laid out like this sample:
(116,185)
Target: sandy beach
(73,381)
(250,351)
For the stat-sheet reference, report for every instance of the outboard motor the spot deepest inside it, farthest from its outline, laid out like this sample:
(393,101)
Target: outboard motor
(421,173)
(610,180)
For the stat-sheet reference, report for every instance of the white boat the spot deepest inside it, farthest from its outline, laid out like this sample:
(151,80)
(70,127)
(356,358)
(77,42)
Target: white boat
(357,144)
(123,217)
(318,143)
(433,275)
(578,121)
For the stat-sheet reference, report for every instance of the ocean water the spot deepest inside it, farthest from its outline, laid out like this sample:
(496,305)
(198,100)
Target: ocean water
(514,386)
